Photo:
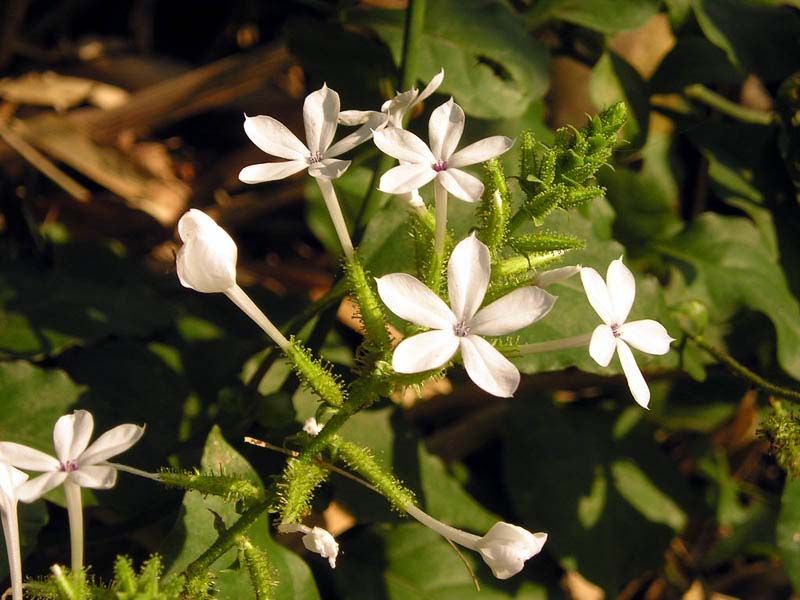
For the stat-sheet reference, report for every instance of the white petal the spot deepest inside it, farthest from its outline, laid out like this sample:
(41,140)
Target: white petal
(397,107)
(207,260)
(445,128)
(271,171)
(432,86)
(112,442)
(351,118)
(72,433)
(404,145)
(468,272)
(481,151)
(424,351)
(96,477)
(512,312)
(320,541)
(330,168)
(556,275)
(374,121)
(461,184)
(410,299)
(506,547)
(602,345)
(621,289)
(646,335)
(488,369)
(274,138)
(320,116)
(24,457)
(597,294)
(404,178)
(636,382)
(10,480)
(32,490)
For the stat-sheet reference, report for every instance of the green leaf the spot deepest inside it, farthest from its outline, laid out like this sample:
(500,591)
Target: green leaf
(693,59)
(492,66)
(788,532)
(614,80)
(410,561)
(196,531)
(593,482)
(738,27)
(729,267)
(605,16)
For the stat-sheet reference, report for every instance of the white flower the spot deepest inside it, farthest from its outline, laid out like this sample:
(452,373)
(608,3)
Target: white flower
(558,275)
(207,260)
(78,462)
(320,117)
(311,427)
(461,327)
(10,481)
(399,106)
(506,547)
(612,300)
(315,539)
(421,164)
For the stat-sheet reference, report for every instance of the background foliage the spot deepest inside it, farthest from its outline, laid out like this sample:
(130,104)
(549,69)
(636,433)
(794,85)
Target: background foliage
(682,500)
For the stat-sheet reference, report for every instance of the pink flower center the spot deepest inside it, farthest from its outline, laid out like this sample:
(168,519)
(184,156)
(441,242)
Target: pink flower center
(461,329)
(615,330)
(314,158)
(440,166)
(69,466)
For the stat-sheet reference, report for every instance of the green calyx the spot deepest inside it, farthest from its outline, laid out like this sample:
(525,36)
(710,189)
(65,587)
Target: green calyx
(262,574)
(232,488)
(494,210)
(296,489)
(370,310)
(315,374)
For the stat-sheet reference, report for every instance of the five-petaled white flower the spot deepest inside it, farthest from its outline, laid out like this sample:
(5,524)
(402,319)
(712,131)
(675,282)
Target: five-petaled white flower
(320,117)
(399,106)
(78,462)
(612,300)
(11,480)
(506,547)
(315,539)
(421,164)
(461,327)
(207,260)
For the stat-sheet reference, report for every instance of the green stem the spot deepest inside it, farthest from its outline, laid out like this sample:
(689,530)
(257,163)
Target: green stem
(226,540)
(739,369)
(736,111)
(553,345)
(415,23)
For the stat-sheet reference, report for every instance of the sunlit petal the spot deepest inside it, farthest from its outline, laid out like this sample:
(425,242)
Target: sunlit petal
(274,138)
(410,299)
(488,369)
(24,457)
(602,345)
(96,477)
(72,433)
(461,184)
(480,151)
(468,272)
(402,179)
(424,351)
(320,117)
(621,289)
(512,312)
(445,128)
(597,294)
(636,382)
(112,442)
(271,171)
(403,145)
(646,335)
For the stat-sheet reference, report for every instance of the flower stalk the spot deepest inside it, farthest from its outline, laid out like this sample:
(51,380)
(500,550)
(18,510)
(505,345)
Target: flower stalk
(72,492)
(576,341)
(240,298)
(335,210)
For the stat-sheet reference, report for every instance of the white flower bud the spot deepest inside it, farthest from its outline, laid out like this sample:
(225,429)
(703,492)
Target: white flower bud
(506,547)
(207,260)
(315,539)
(311,427)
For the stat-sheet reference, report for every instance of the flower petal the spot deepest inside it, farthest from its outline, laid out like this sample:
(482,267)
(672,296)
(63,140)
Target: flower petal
(646,335)
(404,178)
(24,457)
(271,171)
(351,118)
(10,479)
(330,168)
(597,294)
(207,260)
(72,433)
(602,345)
(481,151)
(432,86)
(636,382)
(274,138)
(468,272)
(112,442)
(506,547)
(461,184)
(621,289)
(320,116)
(32,490)
(444,129)
(404,145)
(512,312)
(374,121)
(488,369)
(96,477)
(424,351)
(410,299)
(556,275)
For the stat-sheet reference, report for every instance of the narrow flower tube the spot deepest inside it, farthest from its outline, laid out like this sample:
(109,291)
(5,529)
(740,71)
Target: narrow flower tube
(505,548)
(335,211)
(10,481)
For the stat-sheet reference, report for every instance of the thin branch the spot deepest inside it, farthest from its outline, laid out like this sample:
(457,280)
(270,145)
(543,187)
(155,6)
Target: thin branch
(721,104)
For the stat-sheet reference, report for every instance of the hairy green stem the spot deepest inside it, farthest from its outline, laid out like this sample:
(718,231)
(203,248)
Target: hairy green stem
(369,306)
(226,540)
(739,369)
(721,104)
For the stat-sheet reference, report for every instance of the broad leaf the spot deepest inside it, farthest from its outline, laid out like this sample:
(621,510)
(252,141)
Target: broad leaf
(788,532)
(605,16)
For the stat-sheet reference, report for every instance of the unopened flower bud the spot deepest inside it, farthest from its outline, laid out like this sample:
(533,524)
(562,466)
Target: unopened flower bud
(315,539)
(506,547)
(207,260)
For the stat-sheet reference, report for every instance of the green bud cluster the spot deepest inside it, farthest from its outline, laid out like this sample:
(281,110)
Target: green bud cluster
(494,211)
(232,488)
(782,428)
(299,480)
(315,374)
(262,574)
(147,585)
